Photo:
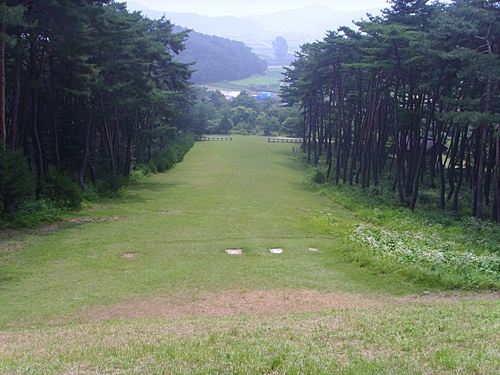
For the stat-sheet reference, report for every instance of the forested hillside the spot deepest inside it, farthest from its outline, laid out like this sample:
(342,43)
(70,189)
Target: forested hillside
(219,59)
(87,89)
(409,100)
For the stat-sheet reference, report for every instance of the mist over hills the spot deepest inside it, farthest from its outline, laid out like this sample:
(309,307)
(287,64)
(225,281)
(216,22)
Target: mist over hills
(311,21)
(296,26)
(226,26)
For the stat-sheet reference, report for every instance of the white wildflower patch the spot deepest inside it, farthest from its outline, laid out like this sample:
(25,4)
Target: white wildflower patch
(429,252)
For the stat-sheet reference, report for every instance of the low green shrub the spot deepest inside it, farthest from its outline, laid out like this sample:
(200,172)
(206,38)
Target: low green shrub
(150,168)
(33,212)
(62,189)
(112,185)
(319,177)
(164,159)
(172,152)
(426,255)
(91,194)
(138,175)
(16,181)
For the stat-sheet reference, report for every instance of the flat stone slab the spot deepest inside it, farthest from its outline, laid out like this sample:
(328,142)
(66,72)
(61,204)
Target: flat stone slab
(313,249)
(234,251)
(131,255)
(276,251)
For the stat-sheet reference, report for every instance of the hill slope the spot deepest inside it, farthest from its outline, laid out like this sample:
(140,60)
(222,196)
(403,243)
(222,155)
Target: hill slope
(142,284)
(219,59)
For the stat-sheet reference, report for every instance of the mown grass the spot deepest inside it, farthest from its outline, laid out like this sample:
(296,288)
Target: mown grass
(443,338)
(245,194)
(242,194)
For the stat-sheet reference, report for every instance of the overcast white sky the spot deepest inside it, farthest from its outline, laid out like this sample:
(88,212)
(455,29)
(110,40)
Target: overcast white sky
(241,8)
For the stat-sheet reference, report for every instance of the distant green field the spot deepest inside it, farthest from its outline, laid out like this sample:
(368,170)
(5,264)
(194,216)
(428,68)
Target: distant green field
(269,82)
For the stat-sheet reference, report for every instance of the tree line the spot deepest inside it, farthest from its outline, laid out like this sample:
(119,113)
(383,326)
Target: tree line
(88,91)
(212,113)
(410,97)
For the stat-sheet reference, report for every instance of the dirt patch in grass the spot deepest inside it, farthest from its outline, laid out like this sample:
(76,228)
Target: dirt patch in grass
(56,226)
(49,228)
(191,304)
(170,211)
(229,303)
(94,220)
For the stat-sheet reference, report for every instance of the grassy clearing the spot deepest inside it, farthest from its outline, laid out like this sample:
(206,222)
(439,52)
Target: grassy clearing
(242,194)
(70,302)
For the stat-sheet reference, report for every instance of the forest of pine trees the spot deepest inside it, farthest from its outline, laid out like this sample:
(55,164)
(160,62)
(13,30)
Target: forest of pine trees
(411,97)
(86,88)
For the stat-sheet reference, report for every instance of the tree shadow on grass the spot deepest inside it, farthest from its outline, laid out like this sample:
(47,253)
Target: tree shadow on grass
(154,186)
(291,160)
(147,191)
(141,192)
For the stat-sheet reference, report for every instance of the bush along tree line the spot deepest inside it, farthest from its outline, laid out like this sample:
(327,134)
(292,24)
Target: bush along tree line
(88,92)
(410,98)
(212,113)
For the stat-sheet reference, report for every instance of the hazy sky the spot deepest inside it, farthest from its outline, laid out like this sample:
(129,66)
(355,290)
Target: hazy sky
(240,8)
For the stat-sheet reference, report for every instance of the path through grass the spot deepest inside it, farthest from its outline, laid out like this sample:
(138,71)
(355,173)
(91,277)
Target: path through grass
(245,194)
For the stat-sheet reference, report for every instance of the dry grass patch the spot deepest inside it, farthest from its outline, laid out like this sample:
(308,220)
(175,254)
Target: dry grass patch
(170,211)
(49,228)
(449,337)
(188,304)
(92,220)
(258,302)
(56,226)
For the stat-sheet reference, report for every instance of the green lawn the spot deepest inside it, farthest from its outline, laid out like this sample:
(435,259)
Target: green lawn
(70,302)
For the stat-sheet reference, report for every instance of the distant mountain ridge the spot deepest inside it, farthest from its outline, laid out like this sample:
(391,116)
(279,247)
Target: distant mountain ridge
(258,32)
(310,22)
(221,26)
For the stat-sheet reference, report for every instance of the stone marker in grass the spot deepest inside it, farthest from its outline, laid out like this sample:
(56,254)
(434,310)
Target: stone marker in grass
(131,255)
(234,251)
(276,251)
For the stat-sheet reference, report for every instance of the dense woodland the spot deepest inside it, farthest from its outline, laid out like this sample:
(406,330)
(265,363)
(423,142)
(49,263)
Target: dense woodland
(411,98)
(212,113)
(218,59)
(87,90)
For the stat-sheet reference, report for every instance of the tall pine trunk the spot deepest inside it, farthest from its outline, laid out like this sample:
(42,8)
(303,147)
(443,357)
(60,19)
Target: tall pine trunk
(16,93)
(85,154)
(3,127)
